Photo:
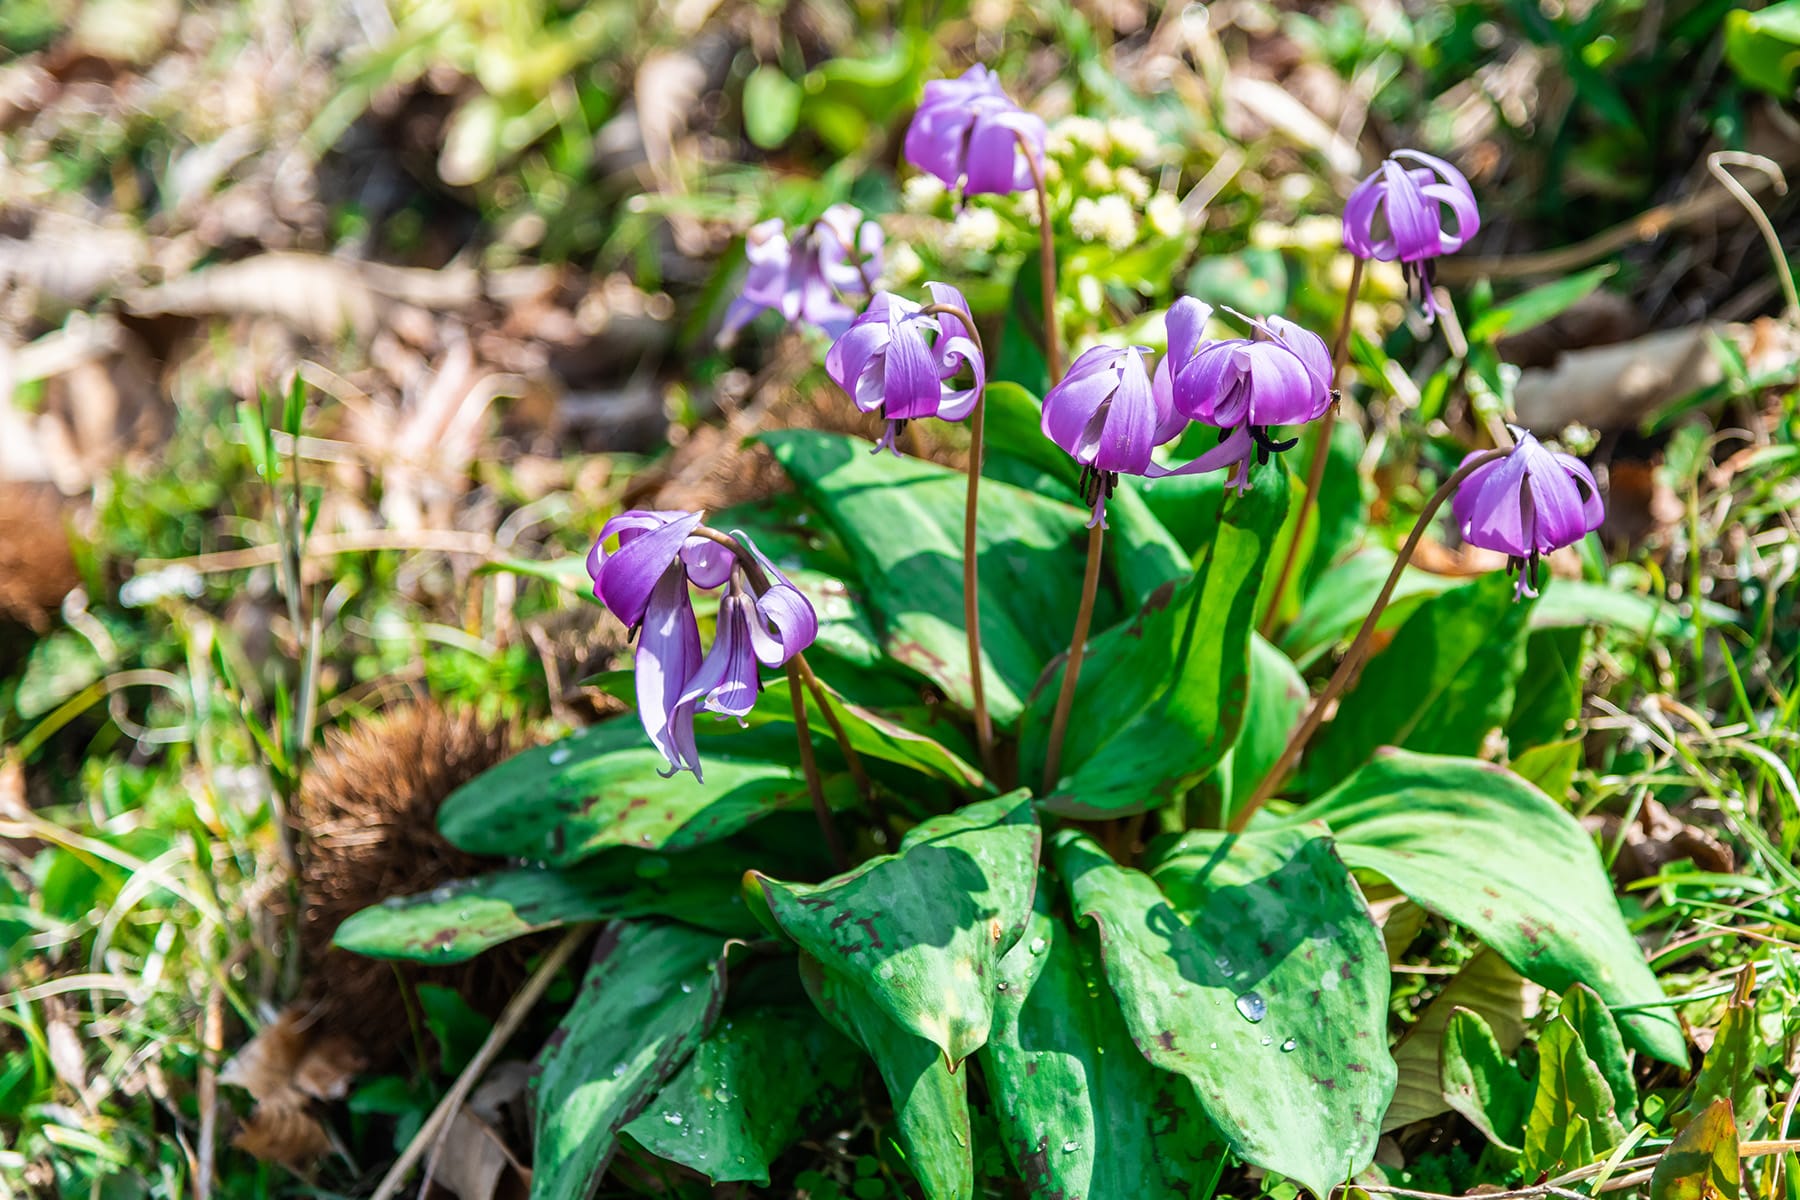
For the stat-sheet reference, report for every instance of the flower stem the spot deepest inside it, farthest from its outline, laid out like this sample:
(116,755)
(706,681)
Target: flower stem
(984,725)
(1046,263)
(814,787)
(1065,698)
(759,581)
(1315,471)
(1359,649)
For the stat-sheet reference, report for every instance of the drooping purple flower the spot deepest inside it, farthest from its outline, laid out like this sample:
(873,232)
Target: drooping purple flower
(768,629)
(1106,415)
(967,133)
(1398,213)
(901,362)
(644,583)
(1527,504)
(1282,376)
(814,276)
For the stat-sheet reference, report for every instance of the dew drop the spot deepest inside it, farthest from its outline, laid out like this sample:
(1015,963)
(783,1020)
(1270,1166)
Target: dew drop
(1223,963)
(723,1096)
(1267,1040)
(618,1070)
(672,1118)
(1071,1147)
(1252,1007)
(1287,1047)
(1001,985)
(1038,945)
(686,987)
(560,755)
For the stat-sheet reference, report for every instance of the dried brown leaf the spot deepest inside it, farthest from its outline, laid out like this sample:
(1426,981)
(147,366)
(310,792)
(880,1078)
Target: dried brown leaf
(285,1132)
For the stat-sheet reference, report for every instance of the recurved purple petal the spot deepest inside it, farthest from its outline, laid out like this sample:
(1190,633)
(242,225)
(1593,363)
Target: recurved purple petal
(668,654)
(1494,515)
(1593,509)
(1307,346)
(912,382)
(627,576)
(1412,219)
(1233,451)
(1282,389)
(1127,434)
(1186,325)
(1360,237)
(726,681)
(848,359)
(1072,405)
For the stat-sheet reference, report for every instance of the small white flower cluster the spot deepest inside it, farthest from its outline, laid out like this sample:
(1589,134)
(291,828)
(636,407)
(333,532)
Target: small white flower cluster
(976,230)
(921,193)
(1110,219)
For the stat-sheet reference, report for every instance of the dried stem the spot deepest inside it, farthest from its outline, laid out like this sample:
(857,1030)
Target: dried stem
(1065,698)
(1046,262)
(984,725)
(430,1135)
(1353,658)
(1315,471)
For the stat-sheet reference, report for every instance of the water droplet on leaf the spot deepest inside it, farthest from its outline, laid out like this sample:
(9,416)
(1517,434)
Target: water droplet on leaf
(1038,945)
(1287,1047)
(1252,1007)
(1071,1147)
(560,755)
(673,1118)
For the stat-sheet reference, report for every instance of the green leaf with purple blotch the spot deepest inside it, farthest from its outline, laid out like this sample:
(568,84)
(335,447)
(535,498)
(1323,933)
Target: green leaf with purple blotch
(1082,1113)
(604,787)
(1477,845)
(1250,965)
(921,931)
(645,1002)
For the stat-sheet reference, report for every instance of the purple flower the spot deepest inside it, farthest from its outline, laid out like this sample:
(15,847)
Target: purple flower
(769,629)
(1398,213)
(899,361)
(1282,376)
(967,133)
(1527,504)
(811,277)
(1106,415)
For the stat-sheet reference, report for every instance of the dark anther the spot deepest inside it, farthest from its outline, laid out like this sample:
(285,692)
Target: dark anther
(1112,481)
(1266,445)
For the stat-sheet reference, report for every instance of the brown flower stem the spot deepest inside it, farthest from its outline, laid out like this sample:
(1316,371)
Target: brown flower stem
(798,675)
(1315,471)
(1046,262)
(814,787)
(984,725)
(1359,648)
(1065,697)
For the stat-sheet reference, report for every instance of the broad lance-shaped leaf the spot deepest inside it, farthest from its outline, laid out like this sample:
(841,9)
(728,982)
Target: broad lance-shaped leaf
(746,1093)
(1729,1071)
(1272,711)
(931,1102)
(1702,1162)
(1572,1118)
(1586,1012)
(1479,846)
(604,787)
(1480,1082)
(1082,1113)
(459,920)
(1487,988)
(1443,682)
(646,1001)
(921,931)
(902,521)
(1255,970)
(1160,698)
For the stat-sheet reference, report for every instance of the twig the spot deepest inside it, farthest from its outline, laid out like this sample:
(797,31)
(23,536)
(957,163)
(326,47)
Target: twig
(212,1042)
(1716,163)
(446,541)
(431,1132)
(1046,263)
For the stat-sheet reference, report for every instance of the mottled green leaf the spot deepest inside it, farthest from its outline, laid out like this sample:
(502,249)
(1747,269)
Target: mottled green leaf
(1550,768)
(1600,1038)
(921,931)
(1478,845)
(1160,698)
(604,788)
(1487,987)
(744,1096)
(1532,308)
(1479,1081)
(646,1001)
(1729,1072)
(461,919)
(1572,1118)
(1441,685)
(931,1102)
(1250,965)
(1702,1162)
(1082,1112)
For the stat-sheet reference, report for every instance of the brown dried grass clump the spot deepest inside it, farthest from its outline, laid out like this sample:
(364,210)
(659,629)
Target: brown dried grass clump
(37,567)
(367,818)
